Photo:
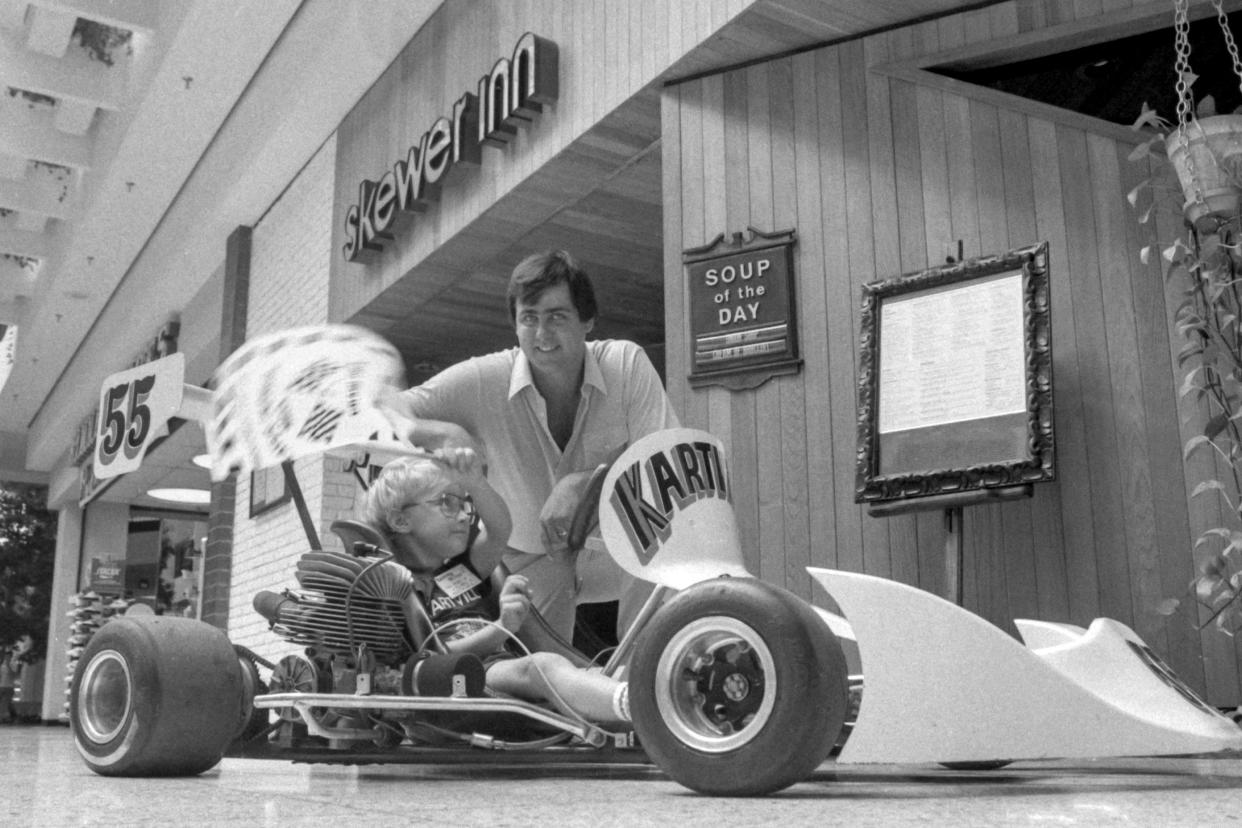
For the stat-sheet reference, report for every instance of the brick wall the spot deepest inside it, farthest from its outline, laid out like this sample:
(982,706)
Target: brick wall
(291,248)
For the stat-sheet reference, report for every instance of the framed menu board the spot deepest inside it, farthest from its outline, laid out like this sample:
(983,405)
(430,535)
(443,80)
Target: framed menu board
(955,379)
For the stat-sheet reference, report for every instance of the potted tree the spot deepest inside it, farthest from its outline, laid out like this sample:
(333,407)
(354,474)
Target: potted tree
(1204,151)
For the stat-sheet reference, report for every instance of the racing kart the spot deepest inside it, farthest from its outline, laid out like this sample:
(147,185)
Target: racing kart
(737,687)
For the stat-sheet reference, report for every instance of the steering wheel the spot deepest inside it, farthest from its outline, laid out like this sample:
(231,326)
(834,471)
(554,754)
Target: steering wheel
(586,516)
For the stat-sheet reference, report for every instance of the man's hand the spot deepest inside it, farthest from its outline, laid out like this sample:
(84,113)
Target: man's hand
(514,602)
(427,434)
(558,511)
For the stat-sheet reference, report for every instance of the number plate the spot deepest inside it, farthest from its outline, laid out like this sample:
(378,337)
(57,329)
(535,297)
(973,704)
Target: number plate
(298,392)
(133,405)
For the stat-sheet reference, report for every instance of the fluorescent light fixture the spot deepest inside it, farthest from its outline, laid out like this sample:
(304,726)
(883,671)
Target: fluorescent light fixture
(199,497)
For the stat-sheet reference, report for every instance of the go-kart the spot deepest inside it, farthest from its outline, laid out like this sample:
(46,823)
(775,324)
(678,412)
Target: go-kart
(737,687)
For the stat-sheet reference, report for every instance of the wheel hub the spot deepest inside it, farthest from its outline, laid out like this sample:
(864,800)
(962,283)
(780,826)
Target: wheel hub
(731,686)
(712,684)
(105,697)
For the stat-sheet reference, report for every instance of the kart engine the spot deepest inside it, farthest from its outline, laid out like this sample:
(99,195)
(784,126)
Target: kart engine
(350,607)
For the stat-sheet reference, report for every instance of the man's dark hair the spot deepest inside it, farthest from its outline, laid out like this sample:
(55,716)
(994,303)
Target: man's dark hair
(540,271)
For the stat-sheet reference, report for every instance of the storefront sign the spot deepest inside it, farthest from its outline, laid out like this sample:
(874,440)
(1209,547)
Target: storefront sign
(514,92)
(108,575)
(743,324)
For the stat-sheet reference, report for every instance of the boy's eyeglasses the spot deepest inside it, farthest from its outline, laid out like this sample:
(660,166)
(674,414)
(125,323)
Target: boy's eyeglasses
(450,505)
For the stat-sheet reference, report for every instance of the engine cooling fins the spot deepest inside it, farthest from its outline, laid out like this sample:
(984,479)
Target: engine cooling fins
(344,603)
(366,577)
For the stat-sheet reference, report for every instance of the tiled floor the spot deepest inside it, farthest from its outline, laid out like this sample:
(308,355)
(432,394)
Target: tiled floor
(44,783)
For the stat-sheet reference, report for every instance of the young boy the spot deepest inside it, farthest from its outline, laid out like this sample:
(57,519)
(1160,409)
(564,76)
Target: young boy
(428,509)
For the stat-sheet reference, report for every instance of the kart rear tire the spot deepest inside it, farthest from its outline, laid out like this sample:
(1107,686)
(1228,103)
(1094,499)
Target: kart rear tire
(155,696)
(738,688)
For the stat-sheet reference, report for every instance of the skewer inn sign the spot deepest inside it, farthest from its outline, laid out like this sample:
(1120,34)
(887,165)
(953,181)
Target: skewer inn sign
(514,92)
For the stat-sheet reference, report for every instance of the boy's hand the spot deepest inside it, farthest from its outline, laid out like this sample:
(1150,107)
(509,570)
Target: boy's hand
(514,602)
(463,460)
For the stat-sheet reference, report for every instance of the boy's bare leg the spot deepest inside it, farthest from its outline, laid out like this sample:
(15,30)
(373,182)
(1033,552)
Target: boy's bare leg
(587,693)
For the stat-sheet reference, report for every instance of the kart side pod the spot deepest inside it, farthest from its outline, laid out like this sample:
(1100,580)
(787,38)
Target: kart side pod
(943,685)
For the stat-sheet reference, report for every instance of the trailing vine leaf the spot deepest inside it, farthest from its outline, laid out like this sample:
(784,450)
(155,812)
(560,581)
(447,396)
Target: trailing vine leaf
(1148,117)
(1215,426)
(1193,443)
(1188,351)
(1212,486)
(1174,250)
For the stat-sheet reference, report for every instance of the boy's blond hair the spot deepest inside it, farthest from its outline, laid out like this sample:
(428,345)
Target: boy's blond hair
(402,482)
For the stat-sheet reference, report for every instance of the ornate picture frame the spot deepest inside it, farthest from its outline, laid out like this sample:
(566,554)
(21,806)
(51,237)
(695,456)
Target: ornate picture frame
(955,380)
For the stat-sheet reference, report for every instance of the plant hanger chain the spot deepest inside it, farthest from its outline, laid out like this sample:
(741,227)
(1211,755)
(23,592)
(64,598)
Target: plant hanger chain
(1181,28)
(1223,20)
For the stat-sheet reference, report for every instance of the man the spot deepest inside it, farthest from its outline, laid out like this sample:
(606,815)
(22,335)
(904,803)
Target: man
(544,415)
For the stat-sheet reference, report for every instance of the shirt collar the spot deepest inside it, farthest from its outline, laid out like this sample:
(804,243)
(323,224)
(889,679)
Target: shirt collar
(520,377)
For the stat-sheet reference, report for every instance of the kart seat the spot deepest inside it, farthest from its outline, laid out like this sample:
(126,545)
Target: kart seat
(355,532)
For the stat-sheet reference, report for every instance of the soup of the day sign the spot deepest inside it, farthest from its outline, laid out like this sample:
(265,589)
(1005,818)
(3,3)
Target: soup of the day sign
(742,319)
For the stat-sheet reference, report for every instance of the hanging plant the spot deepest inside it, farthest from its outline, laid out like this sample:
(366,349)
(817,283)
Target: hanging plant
(1204,150)
(102,42)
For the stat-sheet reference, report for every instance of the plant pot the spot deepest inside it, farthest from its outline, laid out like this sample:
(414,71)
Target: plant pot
(1207,155)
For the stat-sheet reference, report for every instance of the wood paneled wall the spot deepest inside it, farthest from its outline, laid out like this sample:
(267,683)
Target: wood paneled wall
(878,174)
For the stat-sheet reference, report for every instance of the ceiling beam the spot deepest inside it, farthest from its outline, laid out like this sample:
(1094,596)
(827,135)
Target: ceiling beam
(49,31)
(22,242)
(132,15)
(11,309)
(12,14)
(50,193)
(31,222)
(75,76)
(15,280)
(74,117)
(29,130)
(12,167)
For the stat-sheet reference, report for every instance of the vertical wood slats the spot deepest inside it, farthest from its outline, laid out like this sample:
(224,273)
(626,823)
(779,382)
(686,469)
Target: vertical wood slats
(879,176)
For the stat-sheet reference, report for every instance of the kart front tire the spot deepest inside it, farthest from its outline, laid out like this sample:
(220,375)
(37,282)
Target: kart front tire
(738,688)
(155,696)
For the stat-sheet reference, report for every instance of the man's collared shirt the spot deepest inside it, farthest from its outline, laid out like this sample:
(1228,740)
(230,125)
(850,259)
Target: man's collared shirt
(495,399)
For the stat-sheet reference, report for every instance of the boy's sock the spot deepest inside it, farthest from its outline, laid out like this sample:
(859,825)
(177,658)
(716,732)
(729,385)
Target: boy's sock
(621,701)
